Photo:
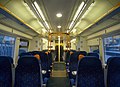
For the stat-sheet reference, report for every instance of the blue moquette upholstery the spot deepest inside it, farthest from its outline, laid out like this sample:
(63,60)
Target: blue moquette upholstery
(90,73)
(27,73)
(93,54)
(73,65)
(5,72)
(113,74)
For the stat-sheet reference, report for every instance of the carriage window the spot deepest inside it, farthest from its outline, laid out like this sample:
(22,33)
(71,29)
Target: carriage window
(7,45)
(112,46)
(23,47)
(94,49)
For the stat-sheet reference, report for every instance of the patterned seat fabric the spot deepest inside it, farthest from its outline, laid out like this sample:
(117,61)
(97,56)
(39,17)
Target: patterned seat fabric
(25,54)
(27,73)
(73,64)
(50,59)
(5,72)
(113,74)
(90,73)
(93,54)
(82,52)
(44,66)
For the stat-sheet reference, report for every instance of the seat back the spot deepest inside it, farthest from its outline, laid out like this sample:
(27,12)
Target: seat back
(25,54)
(113,72)
(83,53)
(5,72)
(74,61)
(27,73)
(73,64)
(93,54)
(90,73)
(44,60)
(50,58)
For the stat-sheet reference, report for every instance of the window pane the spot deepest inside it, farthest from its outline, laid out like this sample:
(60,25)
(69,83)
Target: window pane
(7,45)
(23,47)
(112,46)
(94,49)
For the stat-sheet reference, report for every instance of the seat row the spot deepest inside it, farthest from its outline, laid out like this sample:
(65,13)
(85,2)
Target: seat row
(30,72)
(88,72)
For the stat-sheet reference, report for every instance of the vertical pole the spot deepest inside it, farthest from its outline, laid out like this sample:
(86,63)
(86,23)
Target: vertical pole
(58,48)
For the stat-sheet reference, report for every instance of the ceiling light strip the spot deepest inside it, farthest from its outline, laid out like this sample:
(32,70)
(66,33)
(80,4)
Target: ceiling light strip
(77,14)
(39,10)
(72,23)
(47,25)
(40,14)
(78,10)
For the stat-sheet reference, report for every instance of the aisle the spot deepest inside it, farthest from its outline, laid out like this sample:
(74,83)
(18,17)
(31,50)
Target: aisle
(58,78)
(58,82)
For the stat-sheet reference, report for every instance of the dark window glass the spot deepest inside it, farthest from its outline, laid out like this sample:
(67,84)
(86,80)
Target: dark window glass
(112,46)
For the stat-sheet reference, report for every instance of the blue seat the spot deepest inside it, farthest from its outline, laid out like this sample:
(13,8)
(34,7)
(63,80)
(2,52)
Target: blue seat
(50,61)
(113,72)
(5,72)
(93,54)
(90,73)
(25,54)
(10,59)
(108,60)
(73,65)
(27,72)
(67,59)
(44,66)
(21,51)
(83,53)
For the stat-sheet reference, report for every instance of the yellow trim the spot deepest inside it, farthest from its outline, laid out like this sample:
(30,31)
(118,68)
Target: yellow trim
(58,44)
(112,9)
(8,11)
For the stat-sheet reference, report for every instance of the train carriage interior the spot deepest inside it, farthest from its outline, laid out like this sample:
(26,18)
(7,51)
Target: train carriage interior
(59,43)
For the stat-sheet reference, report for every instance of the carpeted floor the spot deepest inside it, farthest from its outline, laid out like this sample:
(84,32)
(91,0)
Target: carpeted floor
(58,82)
(58,78)
(59,66)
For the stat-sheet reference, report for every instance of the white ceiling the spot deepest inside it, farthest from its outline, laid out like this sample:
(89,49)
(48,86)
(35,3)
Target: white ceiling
(67,8)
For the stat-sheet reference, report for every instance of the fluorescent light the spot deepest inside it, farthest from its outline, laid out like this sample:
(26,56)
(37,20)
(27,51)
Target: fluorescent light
(59,26)
(88,10)
(26,5)
(59,15)
(78,10)
(47,25)
(40,14)
(39,10)
(71,24)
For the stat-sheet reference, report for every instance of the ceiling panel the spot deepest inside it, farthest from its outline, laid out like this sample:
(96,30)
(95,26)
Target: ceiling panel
(105,24)
(8,22)
(55,6)
(67,8)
